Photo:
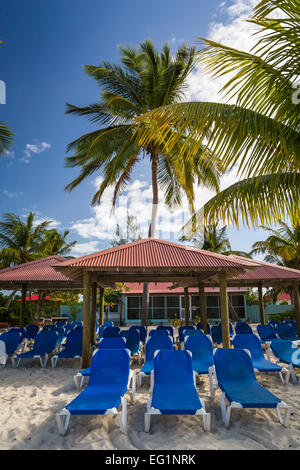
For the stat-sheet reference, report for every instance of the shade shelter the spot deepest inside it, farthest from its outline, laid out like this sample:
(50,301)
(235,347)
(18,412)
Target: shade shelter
(265,275)
(38,274)
(150,260)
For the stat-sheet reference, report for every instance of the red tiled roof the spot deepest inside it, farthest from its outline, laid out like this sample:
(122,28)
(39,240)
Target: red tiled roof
(154,253)
(34,271)
(164,288)
(267,271)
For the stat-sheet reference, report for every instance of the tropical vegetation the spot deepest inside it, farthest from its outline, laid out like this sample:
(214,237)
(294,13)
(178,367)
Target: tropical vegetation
(258,135)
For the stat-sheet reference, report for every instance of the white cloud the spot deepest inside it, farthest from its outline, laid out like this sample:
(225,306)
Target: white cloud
(81,249)
(31,149)
(12,194)
(235,32)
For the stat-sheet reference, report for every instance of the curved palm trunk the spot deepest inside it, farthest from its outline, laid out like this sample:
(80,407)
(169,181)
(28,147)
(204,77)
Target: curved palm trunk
(151,233)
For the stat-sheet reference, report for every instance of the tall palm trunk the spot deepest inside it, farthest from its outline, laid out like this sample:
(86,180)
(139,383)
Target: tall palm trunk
(151,233)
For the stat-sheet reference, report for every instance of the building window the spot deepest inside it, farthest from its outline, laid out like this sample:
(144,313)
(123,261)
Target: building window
(133,307)
(173,306)
(238,304)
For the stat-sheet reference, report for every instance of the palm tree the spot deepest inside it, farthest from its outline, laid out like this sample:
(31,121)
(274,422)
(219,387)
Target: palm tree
(6,136)
(145,81)
(20,242)
(55,243)
(259,135)
(214,239)
(282,247)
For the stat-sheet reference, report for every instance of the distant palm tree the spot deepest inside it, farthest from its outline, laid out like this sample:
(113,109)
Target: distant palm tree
(20,242)
(214,239)
(55,243)
(131,235)
(145,81)
(282,247)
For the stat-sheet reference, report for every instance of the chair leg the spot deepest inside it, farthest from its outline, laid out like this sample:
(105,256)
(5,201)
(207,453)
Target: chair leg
(147,421)
(123,416)
(292,373)
(62,420)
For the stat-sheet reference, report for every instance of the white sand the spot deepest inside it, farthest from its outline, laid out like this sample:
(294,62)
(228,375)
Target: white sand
(30,397)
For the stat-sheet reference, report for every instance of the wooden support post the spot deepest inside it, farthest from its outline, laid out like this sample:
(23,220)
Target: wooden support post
(23,303)
(261,304)
(297,305)
(186,306)
(202,307)
(224,309)
(101,306)
(86,345)
(93,313)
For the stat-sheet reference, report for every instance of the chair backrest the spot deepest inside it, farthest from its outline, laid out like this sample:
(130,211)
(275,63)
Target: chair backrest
(124,333)
(216,333)
(74,341)
(242,328)
(250,342)
(266,332)
(11,340)
(31,331)
(285,331)
(21,332)
(202,342)
(156,343)
(112,343)
(168,328)
(181,329)
(45,342)
(110,367)
(190,332)
(173,367)
(108,323)
(283,349)
(274,323)
(141,330)
(49,328)
(110,331)
(233,366)
(199,327)
(158,333)
(133,341)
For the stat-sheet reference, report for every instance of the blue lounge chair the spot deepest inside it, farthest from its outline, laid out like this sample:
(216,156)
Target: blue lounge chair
(216,333)
(141,330)
(111,331)
(133,343)
(199,327)
(158,333)
(286,331)
(192,333)
(44,345)
(266,333)
(31,332)
(105,392)
(168,328)
(12,340)
(201,348)
(73,347)
(252,344)
(173,388)
(235,376)
(274,323)
(242,328)
(286,351)
(124,334)
(181,330)
(105,343)
(154,343)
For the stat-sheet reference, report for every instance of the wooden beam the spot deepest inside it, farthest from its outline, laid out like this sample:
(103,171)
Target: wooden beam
(202,307)
(101,306)
(23,303)
(297,305)
(86,346)
(93,313)
(224,309)
(261,304)
(186,306)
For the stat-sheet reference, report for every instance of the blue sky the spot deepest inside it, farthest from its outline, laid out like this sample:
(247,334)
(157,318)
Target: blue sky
(45,45)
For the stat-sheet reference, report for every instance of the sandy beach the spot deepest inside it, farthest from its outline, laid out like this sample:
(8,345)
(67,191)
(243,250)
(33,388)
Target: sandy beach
(30,397)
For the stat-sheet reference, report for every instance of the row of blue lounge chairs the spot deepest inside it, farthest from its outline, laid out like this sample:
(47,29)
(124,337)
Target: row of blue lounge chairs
(173,380)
